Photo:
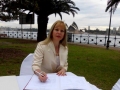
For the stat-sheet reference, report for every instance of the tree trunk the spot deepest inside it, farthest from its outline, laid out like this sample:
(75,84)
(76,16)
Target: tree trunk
(42,27)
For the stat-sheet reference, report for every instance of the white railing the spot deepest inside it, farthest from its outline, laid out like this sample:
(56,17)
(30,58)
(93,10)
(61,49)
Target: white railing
(77,38)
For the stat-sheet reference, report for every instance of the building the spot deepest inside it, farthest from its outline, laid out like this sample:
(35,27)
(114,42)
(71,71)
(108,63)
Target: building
(73,27)
(88,27)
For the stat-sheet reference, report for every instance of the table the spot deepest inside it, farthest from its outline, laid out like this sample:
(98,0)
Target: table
(23,79)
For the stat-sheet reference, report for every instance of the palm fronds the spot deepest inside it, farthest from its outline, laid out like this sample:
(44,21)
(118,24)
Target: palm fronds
(10,9)
(112,5)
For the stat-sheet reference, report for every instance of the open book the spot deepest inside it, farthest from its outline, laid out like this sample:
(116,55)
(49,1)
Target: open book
(55,82)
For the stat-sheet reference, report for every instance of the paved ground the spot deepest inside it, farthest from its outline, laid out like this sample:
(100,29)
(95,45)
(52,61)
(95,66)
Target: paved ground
(100,46)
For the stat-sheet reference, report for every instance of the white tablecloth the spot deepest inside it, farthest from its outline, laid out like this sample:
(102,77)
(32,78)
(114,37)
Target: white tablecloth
(23,80)
(117,85)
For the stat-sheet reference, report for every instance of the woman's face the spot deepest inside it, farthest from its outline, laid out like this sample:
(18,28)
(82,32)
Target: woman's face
(58,32)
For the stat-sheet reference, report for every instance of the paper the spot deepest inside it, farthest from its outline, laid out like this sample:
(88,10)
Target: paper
(56,82)
(50,84)
(8,83)
(74,82)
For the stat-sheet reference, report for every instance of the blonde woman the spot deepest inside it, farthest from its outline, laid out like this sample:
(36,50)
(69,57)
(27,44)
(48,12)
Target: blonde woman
(50,56)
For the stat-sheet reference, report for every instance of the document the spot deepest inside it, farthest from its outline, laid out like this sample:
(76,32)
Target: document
(50,84)
(74,82)
(55,82)
(8,83)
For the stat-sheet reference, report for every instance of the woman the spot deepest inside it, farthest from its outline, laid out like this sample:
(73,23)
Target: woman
(50,55)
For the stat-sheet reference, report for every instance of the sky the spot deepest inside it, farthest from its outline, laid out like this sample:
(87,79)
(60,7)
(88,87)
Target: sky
(92,13)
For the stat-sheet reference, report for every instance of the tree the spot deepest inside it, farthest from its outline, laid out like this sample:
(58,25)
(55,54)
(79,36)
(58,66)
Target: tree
(11,9)
(112,5)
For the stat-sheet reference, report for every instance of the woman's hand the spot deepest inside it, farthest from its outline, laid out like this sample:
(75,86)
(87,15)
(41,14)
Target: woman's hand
(42,77)
(62,72)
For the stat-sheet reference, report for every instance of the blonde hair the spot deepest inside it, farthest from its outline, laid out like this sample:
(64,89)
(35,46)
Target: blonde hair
(49,38)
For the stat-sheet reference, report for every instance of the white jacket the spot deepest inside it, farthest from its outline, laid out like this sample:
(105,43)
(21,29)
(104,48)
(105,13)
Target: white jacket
(45,58)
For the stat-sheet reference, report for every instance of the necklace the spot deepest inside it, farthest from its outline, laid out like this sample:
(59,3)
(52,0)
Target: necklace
(57,51)
(57,54)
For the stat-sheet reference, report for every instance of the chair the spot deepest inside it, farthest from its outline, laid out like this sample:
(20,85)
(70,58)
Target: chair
(116,86)
(26,66)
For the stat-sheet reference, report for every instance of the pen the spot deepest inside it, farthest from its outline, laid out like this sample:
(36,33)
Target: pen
(39,73)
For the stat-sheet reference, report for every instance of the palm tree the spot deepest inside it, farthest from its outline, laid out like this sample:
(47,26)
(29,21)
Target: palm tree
(112,5)
(42,8)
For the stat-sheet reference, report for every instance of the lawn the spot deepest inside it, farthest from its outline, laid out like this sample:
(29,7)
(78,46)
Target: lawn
(99,66)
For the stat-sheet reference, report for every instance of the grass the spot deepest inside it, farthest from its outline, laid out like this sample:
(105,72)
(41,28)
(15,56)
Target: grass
(99,66)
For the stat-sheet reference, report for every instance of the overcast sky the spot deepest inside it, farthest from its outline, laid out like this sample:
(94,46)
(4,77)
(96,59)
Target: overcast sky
(92,13)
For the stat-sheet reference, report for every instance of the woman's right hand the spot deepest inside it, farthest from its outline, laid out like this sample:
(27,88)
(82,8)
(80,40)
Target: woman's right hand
(42,77)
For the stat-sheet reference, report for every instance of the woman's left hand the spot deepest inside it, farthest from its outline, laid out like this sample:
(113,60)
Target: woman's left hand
(62,72)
